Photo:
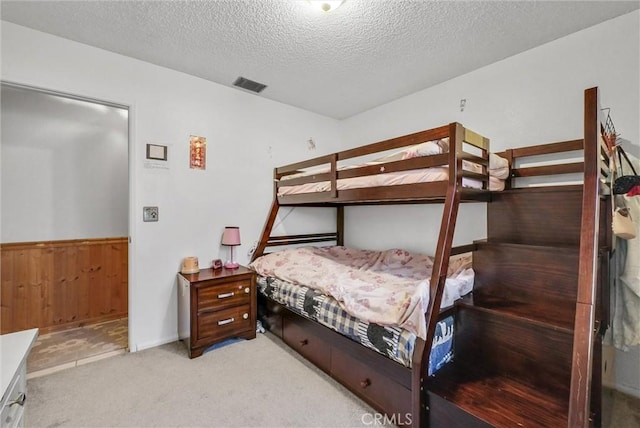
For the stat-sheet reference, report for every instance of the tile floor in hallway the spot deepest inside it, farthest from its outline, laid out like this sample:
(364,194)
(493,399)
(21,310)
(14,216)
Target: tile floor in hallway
(68,348)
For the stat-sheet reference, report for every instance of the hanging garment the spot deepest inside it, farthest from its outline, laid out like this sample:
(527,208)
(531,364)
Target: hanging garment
(626,293)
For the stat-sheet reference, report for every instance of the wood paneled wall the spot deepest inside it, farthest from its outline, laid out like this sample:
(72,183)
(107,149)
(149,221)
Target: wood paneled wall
(60,284)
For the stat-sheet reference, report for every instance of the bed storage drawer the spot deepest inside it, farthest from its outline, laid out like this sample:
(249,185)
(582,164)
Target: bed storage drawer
(382,392)
(298,333)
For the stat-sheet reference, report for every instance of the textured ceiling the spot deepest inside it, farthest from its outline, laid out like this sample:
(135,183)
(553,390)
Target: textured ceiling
(366,53)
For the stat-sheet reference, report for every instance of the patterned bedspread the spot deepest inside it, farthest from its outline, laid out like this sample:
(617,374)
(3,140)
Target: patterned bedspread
(392,342)
(388,288)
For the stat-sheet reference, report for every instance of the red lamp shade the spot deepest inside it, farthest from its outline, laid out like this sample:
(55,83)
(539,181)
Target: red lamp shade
(231,237)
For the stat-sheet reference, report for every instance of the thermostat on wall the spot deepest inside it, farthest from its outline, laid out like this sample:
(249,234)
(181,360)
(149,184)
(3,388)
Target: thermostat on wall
(149,213)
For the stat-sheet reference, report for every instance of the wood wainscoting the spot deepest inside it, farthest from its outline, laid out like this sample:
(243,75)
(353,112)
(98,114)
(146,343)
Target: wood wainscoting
(55,285)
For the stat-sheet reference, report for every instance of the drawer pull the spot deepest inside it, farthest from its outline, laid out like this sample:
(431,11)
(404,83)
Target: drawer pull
(304,342)
(225,295)
(247,290)
(245,316)
(227,321)
(19,401)
(365,383)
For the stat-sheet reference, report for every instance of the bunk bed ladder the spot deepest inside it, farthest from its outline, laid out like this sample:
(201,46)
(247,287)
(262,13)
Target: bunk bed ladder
(439,273)
(585,323)
(527,341)
(266,231)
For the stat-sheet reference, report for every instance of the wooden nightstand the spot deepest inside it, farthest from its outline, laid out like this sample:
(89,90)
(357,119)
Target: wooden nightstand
(215,305)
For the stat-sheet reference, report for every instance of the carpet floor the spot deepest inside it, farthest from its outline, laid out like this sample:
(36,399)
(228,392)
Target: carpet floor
(256,383)
(619,410)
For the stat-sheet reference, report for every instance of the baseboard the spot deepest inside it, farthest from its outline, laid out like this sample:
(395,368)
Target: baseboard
(624,389)
(143,346)
(609,385)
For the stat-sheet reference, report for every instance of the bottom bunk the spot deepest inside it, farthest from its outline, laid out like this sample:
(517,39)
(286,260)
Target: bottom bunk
(380,363)
(384,384)
(392,342)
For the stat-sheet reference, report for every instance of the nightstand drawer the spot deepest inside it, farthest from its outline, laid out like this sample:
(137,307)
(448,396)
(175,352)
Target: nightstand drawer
(224,295)
(224,323)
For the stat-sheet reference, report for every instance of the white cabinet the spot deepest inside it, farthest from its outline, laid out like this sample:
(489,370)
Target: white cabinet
(14,349)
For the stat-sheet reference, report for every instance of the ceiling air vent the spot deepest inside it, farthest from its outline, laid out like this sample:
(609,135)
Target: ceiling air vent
(249,85)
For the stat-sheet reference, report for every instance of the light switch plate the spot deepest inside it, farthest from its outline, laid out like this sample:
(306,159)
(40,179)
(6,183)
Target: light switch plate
(149,213)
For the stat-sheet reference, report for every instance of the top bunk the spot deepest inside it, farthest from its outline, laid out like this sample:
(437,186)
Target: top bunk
(421,167)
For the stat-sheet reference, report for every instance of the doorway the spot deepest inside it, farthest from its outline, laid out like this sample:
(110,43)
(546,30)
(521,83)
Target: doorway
(65,224)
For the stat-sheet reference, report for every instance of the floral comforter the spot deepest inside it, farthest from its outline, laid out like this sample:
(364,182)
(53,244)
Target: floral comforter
(383,287)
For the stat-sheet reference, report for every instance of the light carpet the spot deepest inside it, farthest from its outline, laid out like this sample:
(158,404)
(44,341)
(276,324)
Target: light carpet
(255,383)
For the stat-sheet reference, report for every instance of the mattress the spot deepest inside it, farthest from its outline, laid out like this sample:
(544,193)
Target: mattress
(394,343)
(389,288)
(413,176)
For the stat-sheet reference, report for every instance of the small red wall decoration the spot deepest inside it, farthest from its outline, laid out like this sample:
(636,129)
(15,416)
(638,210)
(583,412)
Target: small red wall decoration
(198,152)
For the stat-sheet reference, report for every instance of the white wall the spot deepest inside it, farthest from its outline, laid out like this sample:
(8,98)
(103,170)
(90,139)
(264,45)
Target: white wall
(30,202)
(531,98)
(64,168)
(246,137)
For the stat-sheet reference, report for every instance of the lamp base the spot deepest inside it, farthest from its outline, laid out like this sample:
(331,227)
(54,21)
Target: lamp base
(231,265)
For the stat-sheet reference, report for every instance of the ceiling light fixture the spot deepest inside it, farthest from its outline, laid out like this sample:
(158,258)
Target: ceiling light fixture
(326,6)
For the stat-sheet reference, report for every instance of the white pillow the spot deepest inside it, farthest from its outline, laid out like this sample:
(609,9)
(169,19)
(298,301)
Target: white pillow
(423,149)
(428,148)
(498,167)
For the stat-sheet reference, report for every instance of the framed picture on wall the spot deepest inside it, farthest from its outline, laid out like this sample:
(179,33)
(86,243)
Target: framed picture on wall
(156,152)
(197,152)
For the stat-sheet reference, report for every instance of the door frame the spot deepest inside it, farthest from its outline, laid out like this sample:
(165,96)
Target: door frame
(128,105)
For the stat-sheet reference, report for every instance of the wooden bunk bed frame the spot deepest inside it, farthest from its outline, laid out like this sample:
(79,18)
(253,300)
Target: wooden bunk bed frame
(386,385)
(406,384)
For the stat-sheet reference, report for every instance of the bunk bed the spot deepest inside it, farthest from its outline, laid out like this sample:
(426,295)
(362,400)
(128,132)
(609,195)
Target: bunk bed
(449,164)
(402,386)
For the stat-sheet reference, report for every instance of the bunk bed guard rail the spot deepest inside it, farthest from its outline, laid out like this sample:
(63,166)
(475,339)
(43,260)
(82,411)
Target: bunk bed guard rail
(328,171)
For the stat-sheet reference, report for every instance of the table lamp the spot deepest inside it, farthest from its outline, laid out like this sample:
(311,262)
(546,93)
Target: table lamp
(231,238)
